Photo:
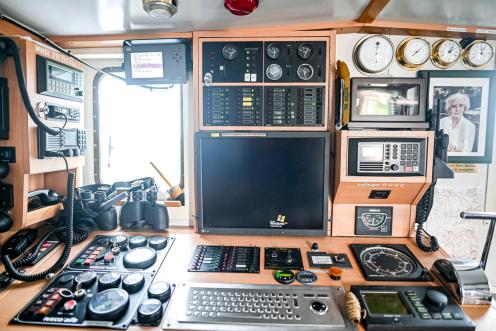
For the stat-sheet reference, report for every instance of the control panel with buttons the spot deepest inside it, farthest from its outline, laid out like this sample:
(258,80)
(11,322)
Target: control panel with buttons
(59,81)
(387,156)
(410,307)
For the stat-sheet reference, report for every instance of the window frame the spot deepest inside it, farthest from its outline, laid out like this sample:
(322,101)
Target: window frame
(179,216)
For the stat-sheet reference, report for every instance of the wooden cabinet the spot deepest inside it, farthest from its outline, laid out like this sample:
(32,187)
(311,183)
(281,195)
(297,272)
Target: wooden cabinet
(30,173)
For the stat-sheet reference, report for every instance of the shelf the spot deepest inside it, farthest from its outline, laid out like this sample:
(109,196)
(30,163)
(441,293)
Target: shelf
(41,214)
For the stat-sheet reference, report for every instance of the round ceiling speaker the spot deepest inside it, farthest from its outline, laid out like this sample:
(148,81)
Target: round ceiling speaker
(241,7)
(160,9)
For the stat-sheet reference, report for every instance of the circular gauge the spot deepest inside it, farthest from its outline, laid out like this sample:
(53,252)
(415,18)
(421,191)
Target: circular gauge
(160,291)
(373,54)
(133,282)
(157,243)
(150,310)
(387,261)
(140,258)
(109,280)
(274,71)
(412,53)
(273,51)
(374,220)
(305,51)
(137,241)
(230,52)
(305,71)
(85,278)
(108,305)
(477,54)
(445,52)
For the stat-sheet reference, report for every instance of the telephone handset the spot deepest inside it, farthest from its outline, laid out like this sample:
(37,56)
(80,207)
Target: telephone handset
(440,170)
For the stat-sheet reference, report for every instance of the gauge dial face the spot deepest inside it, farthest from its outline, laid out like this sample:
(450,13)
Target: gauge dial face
(274,51)
(374,220)
(387,261)
(305,51)
(445,53)
(305,71)
(413,52)
(274,71)
(478,54)
(373,54)
(230,52)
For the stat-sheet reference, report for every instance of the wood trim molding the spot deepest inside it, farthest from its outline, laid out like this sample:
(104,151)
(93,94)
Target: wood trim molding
(341,27)
(108,40)
(372,11)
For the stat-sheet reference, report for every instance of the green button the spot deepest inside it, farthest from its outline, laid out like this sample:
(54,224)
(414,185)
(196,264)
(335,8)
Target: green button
(458,316)
(436,316)
(79,261)
(425,316)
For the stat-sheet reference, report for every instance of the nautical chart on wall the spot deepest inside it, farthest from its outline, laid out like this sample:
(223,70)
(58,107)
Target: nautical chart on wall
(460,238)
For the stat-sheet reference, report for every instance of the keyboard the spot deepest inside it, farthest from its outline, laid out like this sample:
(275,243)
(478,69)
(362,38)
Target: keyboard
(205,306)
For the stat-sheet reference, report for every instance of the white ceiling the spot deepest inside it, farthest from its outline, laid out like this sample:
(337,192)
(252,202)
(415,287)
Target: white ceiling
(87,17)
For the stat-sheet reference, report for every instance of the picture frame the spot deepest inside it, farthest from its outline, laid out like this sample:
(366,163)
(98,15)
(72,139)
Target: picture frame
(467,110)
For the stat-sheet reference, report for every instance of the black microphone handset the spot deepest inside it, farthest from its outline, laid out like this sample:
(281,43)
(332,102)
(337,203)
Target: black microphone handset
(440,170)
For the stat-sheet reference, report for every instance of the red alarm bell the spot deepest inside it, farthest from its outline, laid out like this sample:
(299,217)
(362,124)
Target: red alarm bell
(241,7)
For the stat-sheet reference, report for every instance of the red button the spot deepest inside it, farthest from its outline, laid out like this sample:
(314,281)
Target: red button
(70,305)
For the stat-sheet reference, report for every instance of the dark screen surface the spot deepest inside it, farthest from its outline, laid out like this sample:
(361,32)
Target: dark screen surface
(385,303)
(275,183)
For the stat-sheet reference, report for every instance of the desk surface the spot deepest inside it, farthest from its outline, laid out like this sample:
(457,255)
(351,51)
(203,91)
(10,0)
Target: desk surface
(174,270)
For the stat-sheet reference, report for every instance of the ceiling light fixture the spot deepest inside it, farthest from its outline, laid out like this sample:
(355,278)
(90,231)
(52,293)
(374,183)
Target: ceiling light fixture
(241,7)
(160,9)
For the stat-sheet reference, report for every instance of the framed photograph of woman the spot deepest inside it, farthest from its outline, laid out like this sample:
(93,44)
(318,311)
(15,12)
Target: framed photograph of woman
(466,101)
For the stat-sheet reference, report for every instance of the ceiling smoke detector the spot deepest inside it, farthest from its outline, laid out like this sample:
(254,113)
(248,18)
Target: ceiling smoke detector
(160,9)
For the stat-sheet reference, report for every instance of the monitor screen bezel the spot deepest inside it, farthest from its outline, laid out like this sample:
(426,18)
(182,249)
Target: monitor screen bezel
(261,231)
(356,117)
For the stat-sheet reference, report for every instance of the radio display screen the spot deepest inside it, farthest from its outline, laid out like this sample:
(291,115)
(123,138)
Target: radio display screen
(70,138)
(371,152)
(385,303)
(61,74)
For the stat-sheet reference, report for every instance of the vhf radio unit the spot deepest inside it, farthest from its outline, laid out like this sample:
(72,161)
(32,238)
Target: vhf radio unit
(70,142)
(59,81)
(386,157)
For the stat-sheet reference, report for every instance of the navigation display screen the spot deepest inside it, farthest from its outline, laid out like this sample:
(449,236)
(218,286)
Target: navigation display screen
(385,303)
(60,74)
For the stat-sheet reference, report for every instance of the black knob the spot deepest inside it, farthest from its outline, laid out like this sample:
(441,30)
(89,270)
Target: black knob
(150,310)
(318,307)
(151,196)
(86,195)
(68,152)
(395,167)
(137,195)
(315,247)
(436,300)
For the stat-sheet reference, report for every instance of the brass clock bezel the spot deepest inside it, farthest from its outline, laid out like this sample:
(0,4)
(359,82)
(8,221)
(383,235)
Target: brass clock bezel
(435,57)
(400,54)
(465,55)
(356,49)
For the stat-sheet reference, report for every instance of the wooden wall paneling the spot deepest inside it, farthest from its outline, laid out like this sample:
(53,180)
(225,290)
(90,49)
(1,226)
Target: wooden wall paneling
(354,190)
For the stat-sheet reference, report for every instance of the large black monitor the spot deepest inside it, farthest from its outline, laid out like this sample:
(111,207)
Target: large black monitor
(270,183)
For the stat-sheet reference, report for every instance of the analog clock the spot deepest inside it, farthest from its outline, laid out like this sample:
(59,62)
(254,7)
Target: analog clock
(373,54)
(445,53)
(413,52)
(477,54)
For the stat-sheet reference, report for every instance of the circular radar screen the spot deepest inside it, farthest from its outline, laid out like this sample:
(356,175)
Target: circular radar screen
(387,261)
